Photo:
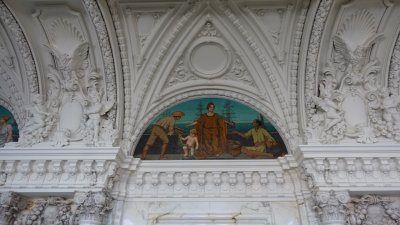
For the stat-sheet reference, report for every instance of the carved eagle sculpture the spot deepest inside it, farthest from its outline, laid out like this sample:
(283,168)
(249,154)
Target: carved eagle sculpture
(356,58)
(70,66)
(73,62)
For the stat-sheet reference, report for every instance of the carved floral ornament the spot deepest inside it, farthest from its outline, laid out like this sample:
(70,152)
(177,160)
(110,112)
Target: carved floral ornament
(352,103)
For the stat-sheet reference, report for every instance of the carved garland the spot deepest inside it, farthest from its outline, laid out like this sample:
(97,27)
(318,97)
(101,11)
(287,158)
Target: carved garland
(105,46)
(286,110)
(312,54)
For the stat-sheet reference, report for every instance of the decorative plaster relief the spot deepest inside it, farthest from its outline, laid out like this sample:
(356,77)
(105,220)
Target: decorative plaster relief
(145,22)
(126,71)
(77,103)
(373,210)
(312,55)
(92,207)
(331,207)
(15,62)
(353,167)
(352,103)
(56,172)
(151,179)
(64,28)
(17,34)
(10,205)
(209,57)
(53,210)
(394,72)
(273,21)
(107,55)
(157,60)
(180,74)
(6,58)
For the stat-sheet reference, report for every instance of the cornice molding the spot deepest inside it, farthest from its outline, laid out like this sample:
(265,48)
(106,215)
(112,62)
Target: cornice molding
(59,170)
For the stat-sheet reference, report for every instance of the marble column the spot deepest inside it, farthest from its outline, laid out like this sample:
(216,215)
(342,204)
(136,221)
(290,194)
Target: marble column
(10,204)
(331,207)
(92,207)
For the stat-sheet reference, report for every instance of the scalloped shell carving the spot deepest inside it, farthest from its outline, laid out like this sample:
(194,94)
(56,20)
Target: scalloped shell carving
(358,27)
(64,35)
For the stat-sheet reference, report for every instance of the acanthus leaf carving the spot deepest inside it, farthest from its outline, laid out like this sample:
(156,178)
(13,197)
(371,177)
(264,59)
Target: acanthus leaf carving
(331,206)
(93,206)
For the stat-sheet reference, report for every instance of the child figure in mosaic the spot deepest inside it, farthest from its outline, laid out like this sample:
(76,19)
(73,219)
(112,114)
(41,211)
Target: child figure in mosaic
(192,144)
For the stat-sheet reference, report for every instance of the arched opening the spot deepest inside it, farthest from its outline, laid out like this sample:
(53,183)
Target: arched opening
(210,128)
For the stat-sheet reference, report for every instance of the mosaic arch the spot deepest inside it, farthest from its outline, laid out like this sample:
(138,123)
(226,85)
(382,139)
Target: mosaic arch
(210,128)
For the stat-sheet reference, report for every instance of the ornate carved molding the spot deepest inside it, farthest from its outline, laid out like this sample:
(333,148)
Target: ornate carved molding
(354,167)
(126,72)
(23,46)
(162,179)
(53,210)
(331,207)
(92,207)
(312,55)
(237,72)
(52,169)
(294,68)
(13,97)
(394,69)
(10,205)
(373,209)
(105,46)
(351,102)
